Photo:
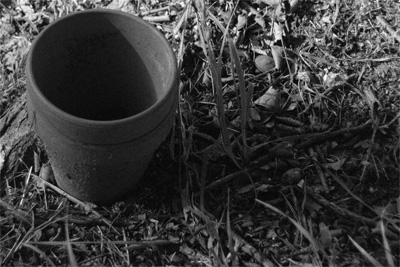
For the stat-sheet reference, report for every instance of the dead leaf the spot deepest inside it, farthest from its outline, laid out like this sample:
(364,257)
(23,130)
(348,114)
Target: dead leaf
(268,100)
(335,165)
(371,99)
(389,211)
(277,54)
(241,21)
(271,2)
(117,4)
(264,63)
(292,176)
(388,233)
(312,206)
(278,32)
(2,158)
(6,29)
(123,5)
(326,19)
(271,233)
(260,21)
(325,236)
(254,114)
(281,150)
(46,174)
(331,78)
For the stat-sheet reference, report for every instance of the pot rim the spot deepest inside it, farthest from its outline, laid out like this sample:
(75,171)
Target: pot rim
(171,82)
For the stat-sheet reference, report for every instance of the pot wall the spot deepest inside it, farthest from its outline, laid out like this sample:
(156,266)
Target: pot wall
(102,98)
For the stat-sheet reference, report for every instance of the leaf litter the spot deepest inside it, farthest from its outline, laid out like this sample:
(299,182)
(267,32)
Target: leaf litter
(285,149)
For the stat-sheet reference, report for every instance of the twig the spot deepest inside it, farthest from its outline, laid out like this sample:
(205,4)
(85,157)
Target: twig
(369,151)
(153,11)
(388,28)
(19,215)
(21,203)
(132,244)
(30,234)
(164,18)
(323,137)
(87,207)
(146,244)
(252,251)
(340,211)
(319,171)
(336,14)
(40,252)
(71,255)
(391,122)
(383,59)
(227,179)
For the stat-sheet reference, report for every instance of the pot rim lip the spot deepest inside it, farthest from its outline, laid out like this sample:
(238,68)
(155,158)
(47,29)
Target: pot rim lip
(171,83)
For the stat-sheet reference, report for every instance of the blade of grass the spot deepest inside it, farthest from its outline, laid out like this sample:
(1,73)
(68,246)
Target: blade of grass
(20,215)
(388,251)
(307,234)
(137,244)
(203,176)
(40,252)
(86,206)
(21,203)
(234,258)
(71,255)
(239,72)
(32,232)
(215,68)
(347,189)
(243,95)
(128,258)
(365,253)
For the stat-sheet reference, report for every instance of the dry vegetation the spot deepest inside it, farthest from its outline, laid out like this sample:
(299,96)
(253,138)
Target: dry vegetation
(285,150)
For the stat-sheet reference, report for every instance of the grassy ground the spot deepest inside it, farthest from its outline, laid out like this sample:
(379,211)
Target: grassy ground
(285,150)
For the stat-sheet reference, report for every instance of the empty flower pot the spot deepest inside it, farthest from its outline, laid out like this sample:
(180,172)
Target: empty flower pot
(102,95)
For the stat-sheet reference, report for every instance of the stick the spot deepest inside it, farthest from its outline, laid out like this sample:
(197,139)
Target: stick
(323,137)
(388,28)
(87,207)
(164,18)
(340,211)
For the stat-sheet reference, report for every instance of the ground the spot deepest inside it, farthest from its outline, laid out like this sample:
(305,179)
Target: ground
(285,149)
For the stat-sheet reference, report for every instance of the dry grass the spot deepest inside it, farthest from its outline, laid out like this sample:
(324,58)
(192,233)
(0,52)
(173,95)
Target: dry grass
(285,151)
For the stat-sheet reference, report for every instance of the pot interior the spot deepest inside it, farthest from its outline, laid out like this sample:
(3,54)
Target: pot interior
(100,66)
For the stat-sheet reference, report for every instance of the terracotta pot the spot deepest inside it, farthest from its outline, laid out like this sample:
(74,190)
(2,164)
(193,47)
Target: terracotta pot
(102,95)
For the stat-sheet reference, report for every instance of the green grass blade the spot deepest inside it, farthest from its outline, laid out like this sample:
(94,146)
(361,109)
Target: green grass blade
(386,246)
(304,231)
(243,95)
(365,253)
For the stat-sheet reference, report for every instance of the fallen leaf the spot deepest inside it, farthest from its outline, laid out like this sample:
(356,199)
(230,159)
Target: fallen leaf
(268,99)
(325,236)
(241,21)
(2,158)
(335,165)
(264,63)
(371,99)
(277,54)
(292,176)
(254,114)
(278,32)
(326,19)
(260,21)
(330,79)
(123,5)
(271,2)
(281,150)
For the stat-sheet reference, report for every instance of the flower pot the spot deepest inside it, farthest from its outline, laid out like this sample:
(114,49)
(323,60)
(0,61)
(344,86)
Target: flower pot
(102,96)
